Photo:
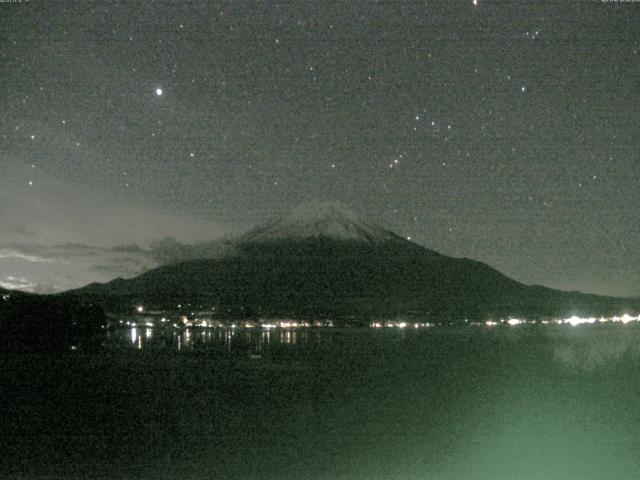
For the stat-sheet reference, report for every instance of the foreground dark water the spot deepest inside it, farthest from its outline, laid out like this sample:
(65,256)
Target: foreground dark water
(525,402)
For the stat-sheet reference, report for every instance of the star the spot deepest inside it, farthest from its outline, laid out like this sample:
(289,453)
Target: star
(159,92)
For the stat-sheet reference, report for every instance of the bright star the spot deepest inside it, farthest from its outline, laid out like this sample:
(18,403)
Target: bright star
(159,92)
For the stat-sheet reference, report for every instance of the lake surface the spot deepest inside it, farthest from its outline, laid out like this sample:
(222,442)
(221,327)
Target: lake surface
(523,402)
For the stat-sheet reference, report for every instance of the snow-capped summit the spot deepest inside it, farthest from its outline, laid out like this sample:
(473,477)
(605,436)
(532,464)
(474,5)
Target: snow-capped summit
(325,219)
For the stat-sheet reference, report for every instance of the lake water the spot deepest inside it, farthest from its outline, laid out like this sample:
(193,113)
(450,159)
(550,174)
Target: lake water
(523,402)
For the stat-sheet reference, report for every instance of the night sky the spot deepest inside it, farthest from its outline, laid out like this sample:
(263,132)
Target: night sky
(506,132)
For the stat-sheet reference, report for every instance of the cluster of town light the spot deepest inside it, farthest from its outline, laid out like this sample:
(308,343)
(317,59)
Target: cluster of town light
(391,324)
(184,321)
(573,321)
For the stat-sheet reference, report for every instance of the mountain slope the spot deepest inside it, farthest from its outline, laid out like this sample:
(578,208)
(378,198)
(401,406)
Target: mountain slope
(322,260)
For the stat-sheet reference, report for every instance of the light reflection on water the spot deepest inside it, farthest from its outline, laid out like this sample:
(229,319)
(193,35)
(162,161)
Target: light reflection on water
(218,339)
(585,348)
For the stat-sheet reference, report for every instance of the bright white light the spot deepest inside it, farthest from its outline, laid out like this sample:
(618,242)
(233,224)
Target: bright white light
(159,92)
(514,321)
(140,309)
(573,321)
(627,318)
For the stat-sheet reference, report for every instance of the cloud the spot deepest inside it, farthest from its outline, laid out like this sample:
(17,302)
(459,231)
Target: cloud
(35,252)
(46,268)
(115,269)
(169,251)
(160,252)
(8,253)
(128,248)
(17,283)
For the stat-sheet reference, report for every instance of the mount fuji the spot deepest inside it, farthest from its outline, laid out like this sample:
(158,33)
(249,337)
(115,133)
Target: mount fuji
(314,220)
(322,260)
